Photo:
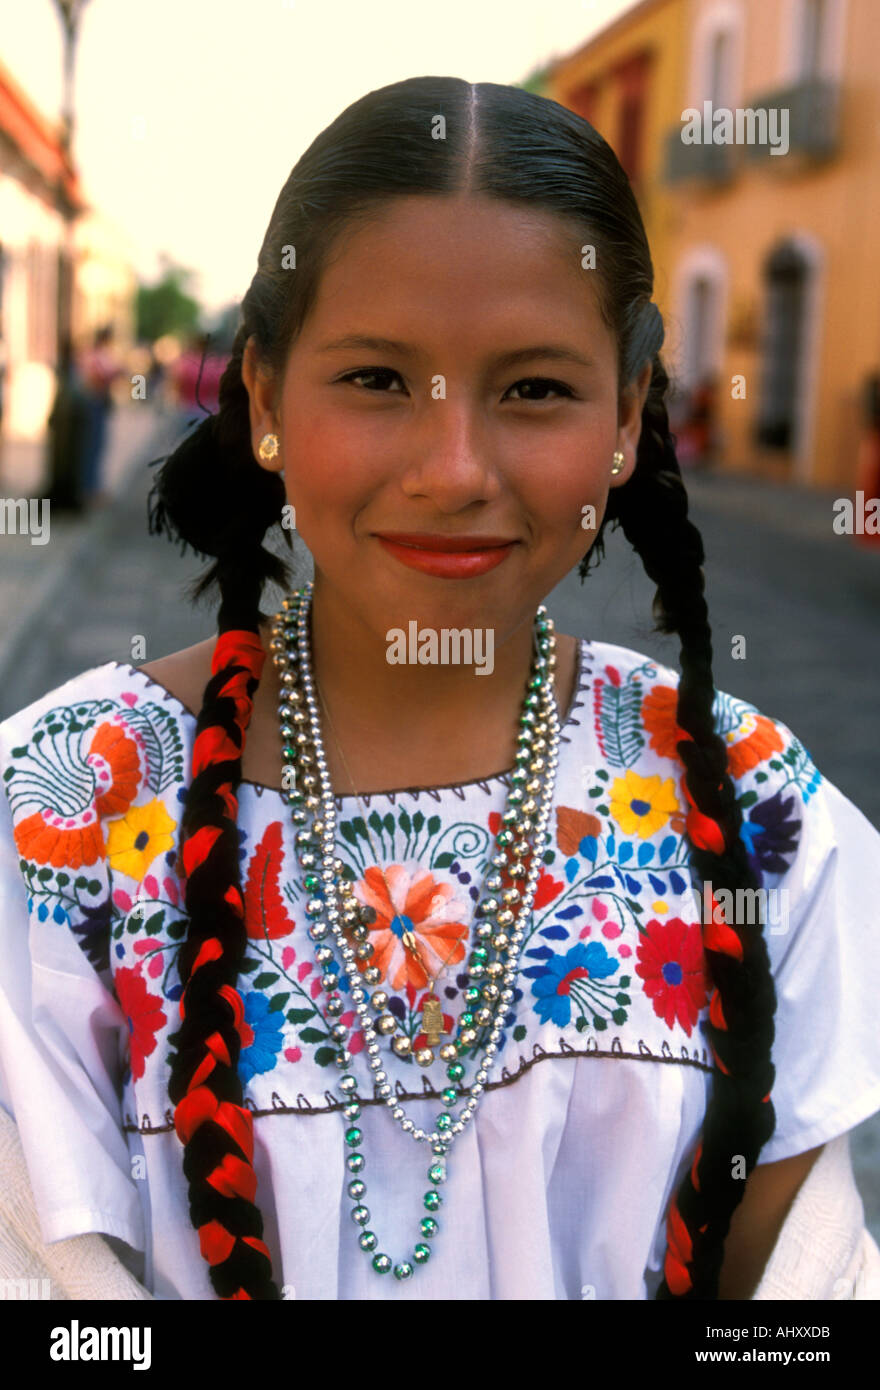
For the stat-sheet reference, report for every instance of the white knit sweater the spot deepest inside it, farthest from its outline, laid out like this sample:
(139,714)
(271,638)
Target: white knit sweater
(824,1250)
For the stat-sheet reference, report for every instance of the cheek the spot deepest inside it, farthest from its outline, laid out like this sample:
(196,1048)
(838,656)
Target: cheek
(560,492)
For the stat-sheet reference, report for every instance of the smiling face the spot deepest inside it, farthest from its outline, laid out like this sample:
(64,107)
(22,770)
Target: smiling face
(439,434)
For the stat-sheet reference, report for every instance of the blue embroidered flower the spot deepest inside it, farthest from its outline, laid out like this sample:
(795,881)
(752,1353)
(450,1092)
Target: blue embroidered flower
(553,988)
(267,1027)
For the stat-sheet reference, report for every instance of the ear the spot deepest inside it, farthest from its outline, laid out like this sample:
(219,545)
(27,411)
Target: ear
(261,393)
(629,422)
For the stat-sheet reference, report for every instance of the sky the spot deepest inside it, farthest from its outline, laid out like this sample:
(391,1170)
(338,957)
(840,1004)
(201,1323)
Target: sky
(190,114)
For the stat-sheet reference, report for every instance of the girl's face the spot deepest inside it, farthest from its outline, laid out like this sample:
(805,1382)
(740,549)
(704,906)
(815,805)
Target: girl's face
(437,429)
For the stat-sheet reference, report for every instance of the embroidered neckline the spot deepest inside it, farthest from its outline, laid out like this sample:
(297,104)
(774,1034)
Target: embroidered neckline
(583,678)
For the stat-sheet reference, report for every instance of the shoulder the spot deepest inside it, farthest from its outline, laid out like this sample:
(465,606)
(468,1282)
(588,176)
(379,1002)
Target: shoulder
(634,711)
(81,757)
(184,674)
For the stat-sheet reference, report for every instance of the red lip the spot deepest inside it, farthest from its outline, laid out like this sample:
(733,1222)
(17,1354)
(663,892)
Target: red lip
(465,561)
(450,545)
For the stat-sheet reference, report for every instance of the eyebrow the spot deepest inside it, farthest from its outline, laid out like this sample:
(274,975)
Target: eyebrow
(556,351)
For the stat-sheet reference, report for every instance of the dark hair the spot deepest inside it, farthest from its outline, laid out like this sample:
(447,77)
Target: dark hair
(211,494)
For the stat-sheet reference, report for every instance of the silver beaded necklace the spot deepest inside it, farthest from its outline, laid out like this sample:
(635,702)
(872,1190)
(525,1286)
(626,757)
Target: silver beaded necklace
(331,908)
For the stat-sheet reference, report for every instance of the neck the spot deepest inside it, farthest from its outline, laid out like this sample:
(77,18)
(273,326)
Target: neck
(411,724)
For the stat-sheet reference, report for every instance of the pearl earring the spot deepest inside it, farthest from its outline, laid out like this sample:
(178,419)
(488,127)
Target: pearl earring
(619,459)
(268,447)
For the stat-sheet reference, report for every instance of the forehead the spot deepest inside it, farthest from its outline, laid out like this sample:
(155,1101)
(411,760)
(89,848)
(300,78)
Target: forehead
(458,264)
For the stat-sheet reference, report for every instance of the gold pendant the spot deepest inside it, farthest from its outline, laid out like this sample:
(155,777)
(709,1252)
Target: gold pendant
(432,1020)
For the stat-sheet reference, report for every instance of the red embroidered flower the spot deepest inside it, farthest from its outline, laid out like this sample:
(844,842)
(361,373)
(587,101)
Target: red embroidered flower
(143,1012)
(671,964)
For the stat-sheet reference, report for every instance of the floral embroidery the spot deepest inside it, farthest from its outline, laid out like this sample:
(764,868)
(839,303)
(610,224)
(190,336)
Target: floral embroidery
(671,964)
(263,1030)
(612,943)
(412,900)
(134,841)
(566,978)
(143,1012)
(642,805)
(265,915)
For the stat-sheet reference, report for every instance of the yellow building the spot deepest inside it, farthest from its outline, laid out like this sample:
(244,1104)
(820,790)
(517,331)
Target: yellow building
(751,132)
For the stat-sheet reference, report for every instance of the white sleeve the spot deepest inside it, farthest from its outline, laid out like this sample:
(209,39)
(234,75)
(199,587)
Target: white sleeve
(61,1036)
(823,938)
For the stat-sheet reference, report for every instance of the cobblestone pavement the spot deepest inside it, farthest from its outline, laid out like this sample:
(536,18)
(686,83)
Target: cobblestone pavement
(806,600)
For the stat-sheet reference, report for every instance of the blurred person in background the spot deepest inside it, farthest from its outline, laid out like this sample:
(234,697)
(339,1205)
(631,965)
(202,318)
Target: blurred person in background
(69,427)
(99,368)
(195,378)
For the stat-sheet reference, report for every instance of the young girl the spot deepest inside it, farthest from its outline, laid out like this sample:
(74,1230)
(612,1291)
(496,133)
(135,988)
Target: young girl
(335,969)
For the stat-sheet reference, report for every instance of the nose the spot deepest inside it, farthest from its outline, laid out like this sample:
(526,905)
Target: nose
(451,463)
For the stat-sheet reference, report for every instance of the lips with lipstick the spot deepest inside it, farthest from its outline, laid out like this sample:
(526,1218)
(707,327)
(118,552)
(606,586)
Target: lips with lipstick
(447,557)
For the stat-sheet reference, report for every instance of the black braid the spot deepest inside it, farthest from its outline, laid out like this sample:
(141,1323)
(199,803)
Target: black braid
(652,509)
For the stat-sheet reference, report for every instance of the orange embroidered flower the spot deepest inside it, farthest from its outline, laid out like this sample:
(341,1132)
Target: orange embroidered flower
(113,758)
(762,739)
(756,739)
(658,716)
(69,839)
(413,901)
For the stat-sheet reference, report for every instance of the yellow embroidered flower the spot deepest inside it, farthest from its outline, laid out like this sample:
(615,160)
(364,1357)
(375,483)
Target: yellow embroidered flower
(642,805)
(134,841)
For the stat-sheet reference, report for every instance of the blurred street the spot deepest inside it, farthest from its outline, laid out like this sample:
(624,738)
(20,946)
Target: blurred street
(805,599)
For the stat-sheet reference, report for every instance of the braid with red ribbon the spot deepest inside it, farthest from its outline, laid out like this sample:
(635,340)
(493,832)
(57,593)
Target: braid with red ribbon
(652,510)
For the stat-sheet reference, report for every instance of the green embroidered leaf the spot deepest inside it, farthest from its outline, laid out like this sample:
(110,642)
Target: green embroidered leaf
(80,882)
(176,930)
(375,822)
(405,822)
(312,1035)
(433,825)
(600,1023)
(62,880)
(359,827)
(519,1032)
(624,980)
(163,745)
(93,886)
(636,907)
(594,791)
(299,1015)
(324,1056)
(154,923)
(622,999)
(620,715)
(443,860)
(388,822)
(278,1001)
(760,777)
(347,832)
(247,965)
(418,821)
(748,799)
(581,1024)
(603,810)
(43,874)
(619,1015)
(265,978)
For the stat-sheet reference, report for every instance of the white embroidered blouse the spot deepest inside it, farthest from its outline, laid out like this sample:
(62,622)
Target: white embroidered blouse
(559,1187)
